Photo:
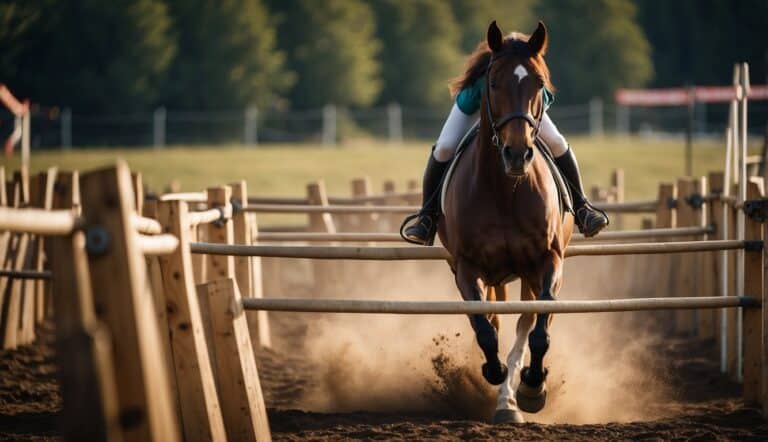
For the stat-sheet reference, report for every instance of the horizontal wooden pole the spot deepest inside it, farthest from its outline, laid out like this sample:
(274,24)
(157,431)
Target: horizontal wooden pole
(190,197)
(291,208)
(38,221)
(395,237)
(147,226)
(439,253)
(26,274)
(209,216)
(647,206)
(484,307)
(157,244)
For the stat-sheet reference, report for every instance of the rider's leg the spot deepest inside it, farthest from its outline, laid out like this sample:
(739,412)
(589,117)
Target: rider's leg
(456,125)
(589,220)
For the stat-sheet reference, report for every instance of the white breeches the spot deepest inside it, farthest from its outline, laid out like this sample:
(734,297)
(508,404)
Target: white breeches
(458,123)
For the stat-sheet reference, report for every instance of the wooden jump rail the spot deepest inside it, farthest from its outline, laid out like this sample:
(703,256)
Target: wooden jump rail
(439,253)
(38,221)
(501,307)
(210,215)
(394,237)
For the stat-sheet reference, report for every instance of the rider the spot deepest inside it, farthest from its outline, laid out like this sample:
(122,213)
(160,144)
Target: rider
(463,115)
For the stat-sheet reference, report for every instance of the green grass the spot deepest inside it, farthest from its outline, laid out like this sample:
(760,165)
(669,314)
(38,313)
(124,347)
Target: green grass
(286,169)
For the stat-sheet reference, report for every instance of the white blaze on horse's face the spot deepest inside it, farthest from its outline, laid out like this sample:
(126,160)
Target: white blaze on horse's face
(521,72)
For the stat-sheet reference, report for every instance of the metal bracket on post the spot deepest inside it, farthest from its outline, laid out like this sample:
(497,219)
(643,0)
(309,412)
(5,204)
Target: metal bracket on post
(96,240)
(753,246)
(695,200)
(672,203)
(757,209)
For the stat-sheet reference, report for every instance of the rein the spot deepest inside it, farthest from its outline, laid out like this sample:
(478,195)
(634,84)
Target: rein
(496,125)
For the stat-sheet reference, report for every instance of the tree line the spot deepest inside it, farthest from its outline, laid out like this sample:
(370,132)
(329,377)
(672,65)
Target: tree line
(132,55)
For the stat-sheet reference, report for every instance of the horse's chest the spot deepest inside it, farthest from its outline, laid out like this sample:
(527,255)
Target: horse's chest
(506,250)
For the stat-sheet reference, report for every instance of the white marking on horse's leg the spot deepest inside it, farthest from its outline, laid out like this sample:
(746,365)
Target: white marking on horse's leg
(506,399)
(521,72)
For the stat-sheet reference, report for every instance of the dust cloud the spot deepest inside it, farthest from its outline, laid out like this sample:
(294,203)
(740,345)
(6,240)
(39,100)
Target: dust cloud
(603,367)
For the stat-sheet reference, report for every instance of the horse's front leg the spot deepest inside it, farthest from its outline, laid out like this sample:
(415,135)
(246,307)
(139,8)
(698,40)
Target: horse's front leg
(506,406)
(532,391)
(466,280)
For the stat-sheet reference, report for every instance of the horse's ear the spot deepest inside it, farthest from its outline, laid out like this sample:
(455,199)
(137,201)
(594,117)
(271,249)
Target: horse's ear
(538,40)
(495,39)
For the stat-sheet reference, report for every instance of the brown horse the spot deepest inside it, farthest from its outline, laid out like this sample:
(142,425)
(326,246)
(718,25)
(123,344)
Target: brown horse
(502,217)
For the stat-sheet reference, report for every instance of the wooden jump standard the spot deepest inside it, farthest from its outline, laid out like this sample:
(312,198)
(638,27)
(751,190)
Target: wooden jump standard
(484,307)
(439,253)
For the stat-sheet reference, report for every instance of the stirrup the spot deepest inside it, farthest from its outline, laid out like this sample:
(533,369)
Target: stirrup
(429,238)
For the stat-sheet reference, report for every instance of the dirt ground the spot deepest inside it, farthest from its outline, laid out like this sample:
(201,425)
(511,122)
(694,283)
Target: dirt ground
(706,405)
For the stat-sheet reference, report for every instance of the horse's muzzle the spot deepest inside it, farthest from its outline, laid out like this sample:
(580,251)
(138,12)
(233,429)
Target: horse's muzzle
(516,161)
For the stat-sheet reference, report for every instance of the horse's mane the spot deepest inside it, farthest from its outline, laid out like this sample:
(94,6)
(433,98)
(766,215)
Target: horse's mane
(477,63)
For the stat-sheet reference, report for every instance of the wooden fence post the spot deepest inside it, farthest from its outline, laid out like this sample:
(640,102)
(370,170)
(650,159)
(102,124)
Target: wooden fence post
(219,232)
(665,218)
(752,327)
(733,330)
(366,222)
(119,280)
(684,264)
(16,260)
(703,270)
(200,410)
(248,269)
(391,222)
(245,415)
(324,273)
(83,344)
(718,262)
(617,182)
(48,180)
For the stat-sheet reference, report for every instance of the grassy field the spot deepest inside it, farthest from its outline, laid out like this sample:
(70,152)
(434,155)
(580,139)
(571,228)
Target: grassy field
(285,169)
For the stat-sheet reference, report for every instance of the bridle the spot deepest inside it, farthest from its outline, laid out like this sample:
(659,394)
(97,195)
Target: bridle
(496,125)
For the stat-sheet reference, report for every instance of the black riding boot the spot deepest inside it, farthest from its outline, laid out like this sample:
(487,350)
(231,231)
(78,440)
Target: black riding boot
(589,220)
(423,231)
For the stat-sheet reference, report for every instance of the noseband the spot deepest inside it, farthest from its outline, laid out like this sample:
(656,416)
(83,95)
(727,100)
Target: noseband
(496,125)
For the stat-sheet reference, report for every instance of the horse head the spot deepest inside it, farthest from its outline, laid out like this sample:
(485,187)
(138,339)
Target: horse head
(513,102)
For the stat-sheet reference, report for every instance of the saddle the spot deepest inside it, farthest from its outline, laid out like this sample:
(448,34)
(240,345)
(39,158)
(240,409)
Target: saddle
(563,191)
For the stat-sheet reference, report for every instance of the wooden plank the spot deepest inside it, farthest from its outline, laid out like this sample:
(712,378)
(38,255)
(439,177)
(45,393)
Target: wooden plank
(248,269)
(83,345)
(752,330)
(245,416)
(718,263)
(259,286)
(704,271)
(42,288)
(324,274)
(138,192)
(617,182)
(219,232)
(733,316)
(15,260)
(26,332)
(361,188)
(199,404)
(665,218)
(684,266)
(119,280)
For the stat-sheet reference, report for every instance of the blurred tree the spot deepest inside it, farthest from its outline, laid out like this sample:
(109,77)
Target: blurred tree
(227,56)
(333,50)
(17,26)
(595,46)
(474,16)
(92,55)
(698,41)
(420,51)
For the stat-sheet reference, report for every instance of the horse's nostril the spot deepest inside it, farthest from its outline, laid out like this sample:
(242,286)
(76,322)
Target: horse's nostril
(528,154)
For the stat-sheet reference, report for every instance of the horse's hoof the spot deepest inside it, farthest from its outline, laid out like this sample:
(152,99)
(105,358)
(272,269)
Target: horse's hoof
(495,374)
(531,399)
(508,417)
